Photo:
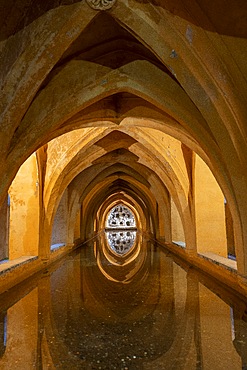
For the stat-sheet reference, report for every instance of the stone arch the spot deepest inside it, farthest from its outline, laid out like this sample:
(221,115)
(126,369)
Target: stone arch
(4,228)
(157,28)
(137,197)
(70,169)
(224,115)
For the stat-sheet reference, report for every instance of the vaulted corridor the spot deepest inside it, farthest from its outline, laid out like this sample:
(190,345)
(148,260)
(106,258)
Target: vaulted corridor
(138,105)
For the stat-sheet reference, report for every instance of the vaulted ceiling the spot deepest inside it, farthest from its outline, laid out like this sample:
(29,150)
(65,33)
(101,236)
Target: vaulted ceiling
(119,100)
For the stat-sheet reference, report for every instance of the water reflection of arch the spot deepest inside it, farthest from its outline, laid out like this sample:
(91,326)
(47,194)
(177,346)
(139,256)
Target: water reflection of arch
(55,341)
(121,242)
(120,259)
(155,329)
(132,310)
(53,351)
(118,268)
(167,338)
(144,323)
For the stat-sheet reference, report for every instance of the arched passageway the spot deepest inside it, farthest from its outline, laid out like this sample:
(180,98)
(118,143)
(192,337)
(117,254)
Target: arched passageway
(139,103)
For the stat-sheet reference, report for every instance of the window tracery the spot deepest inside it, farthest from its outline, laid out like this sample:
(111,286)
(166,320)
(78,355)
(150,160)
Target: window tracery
(121,217)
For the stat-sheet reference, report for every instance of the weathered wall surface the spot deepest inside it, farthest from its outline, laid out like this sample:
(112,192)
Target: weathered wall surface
(125,97)
(24,211)
(209,211)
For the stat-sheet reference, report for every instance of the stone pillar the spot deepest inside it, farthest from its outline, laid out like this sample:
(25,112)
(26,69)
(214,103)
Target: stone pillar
(229,231)
(177,227)
(4,229)
(60,222)
(77,233)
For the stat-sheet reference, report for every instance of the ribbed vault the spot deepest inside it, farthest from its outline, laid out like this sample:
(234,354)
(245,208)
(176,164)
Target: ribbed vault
(122,102)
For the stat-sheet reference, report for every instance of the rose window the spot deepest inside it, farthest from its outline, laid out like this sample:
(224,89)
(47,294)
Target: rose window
(120,217)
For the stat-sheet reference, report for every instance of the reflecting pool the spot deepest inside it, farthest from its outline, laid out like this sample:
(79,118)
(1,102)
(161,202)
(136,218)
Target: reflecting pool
(96,309)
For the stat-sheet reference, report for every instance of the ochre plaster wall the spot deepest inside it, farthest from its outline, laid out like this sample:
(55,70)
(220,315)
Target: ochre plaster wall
(24,211)
(171,154)
(209,211)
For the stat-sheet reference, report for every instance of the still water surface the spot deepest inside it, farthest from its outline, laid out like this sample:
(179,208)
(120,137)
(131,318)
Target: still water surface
(97,309)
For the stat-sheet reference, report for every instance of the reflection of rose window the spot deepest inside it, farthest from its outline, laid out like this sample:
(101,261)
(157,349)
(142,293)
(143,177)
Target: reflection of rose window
(120,217)
(121,241)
